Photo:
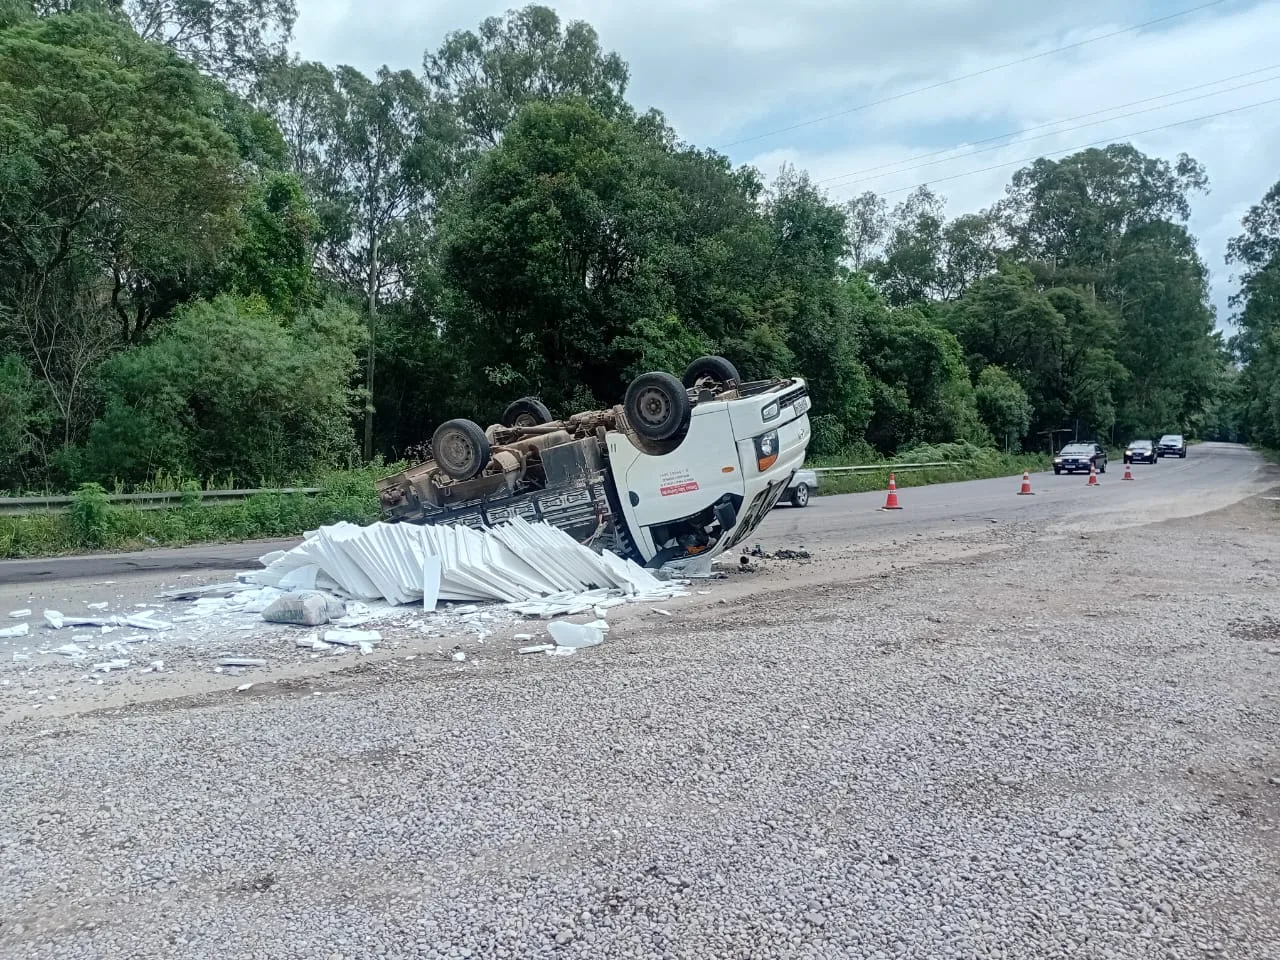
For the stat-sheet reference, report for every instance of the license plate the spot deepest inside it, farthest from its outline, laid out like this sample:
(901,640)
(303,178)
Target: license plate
(801,406)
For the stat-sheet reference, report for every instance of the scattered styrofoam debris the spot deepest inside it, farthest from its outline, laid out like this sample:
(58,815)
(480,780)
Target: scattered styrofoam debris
(351,638)
(537,648)
(575,635)
(213,590)
(70,650)
(144,621)
(98,606)
(19,614)
(110,665)
(11,633)
(243,687)
(241,662)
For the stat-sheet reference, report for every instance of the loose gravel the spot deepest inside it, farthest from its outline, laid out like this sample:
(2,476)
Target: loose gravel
(1058,749)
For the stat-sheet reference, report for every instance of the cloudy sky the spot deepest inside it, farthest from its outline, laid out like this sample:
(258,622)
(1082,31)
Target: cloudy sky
(771,83)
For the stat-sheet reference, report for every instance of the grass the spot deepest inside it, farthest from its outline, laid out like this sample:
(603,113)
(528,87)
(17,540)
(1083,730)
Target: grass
(93,523)
(966,462)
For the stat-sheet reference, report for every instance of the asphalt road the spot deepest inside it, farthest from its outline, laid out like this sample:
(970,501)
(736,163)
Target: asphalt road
(1214,475)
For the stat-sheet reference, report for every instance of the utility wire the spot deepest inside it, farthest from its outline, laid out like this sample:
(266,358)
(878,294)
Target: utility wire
(1081,146)
(1020,140)
(1042,126)
(976,73)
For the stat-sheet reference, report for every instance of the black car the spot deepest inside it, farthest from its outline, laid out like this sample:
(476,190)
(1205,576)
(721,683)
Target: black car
(1172,445)
(1079,456)
(1141,451)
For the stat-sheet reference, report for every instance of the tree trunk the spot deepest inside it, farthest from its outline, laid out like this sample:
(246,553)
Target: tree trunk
(373,317)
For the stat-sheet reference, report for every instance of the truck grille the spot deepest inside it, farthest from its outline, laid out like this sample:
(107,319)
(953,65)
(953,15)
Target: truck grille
(791,396)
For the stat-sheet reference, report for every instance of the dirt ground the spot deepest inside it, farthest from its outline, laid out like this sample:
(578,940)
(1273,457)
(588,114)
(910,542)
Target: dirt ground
(1013,737)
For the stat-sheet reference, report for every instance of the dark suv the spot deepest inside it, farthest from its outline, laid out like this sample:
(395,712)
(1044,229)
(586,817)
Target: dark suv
(1079,456)
(1172,445)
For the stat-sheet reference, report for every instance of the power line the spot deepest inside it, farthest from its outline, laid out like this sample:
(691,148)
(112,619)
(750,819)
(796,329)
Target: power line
(1080,146)
(1000,146)
(976,73)
(1042,126)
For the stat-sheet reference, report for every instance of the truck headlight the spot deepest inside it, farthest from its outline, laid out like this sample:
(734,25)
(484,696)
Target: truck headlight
(770,412)
(766,450)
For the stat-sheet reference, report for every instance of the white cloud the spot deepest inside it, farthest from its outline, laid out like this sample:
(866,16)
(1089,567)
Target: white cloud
(724,71)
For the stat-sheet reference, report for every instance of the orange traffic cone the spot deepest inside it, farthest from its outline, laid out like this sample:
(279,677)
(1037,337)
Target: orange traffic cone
(891,502)
(1128,474)
(1093,475)
(1026,490)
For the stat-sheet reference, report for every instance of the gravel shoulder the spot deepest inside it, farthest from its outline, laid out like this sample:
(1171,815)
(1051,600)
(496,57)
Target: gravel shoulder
(1011,740)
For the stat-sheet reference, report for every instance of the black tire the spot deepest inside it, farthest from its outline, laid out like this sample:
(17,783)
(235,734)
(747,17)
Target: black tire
(526,412)
(1057,471)
(800,495)
(461,449)
(1183,455)
(714,368)
(657,406)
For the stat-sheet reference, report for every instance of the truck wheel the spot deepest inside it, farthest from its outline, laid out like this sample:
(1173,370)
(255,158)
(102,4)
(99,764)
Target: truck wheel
(526,412)
(460,448)
(657,406)
(800,495)
(717,369)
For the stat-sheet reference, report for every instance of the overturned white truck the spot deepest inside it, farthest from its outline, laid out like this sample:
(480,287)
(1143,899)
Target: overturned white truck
(678,470)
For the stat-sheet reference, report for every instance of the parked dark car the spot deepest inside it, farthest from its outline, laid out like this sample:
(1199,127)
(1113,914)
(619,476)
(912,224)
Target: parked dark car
(1141,451)
(1079,456)
(1172,445)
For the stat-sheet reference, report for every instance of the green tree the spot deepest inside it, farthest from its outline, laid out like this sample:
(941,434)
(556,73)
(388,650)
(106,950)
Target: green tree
(120,188)
(867,217)
(1059,345)
(927,257)
(24,419)
(1003,405)
(373,152)
(1257,344)
(488,75)
(1167,340)
(228,39)
(1074,213)
(229,389)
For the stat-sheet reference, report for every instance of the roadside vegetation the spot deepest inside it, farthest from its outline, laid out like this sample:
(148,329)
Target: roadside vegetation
(93,523)
(964,461)
(308,268)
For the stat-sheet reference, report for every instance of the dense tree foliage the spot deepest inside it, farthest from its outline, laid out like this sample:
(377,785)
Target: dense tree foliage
(217,259)
(1254,411)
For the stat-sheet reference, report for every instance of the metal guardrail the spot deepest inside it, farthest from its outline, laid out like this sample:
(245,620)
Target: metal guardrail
(16,506)
(889,467)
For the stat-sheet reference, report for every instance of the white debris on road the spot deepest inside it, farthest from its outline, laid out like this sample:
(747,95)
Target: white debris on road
(517,562)
(12,633)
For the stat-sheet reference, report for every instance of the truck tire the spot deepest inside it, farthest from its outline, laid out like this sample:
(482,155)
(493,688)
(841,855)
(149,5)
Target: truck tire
(461,449)
(657,407)
(526,412)
(715,368)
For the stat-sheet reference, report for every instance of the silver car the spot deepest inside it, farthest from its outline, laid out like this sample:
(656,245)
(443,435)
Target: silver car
(802,484)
